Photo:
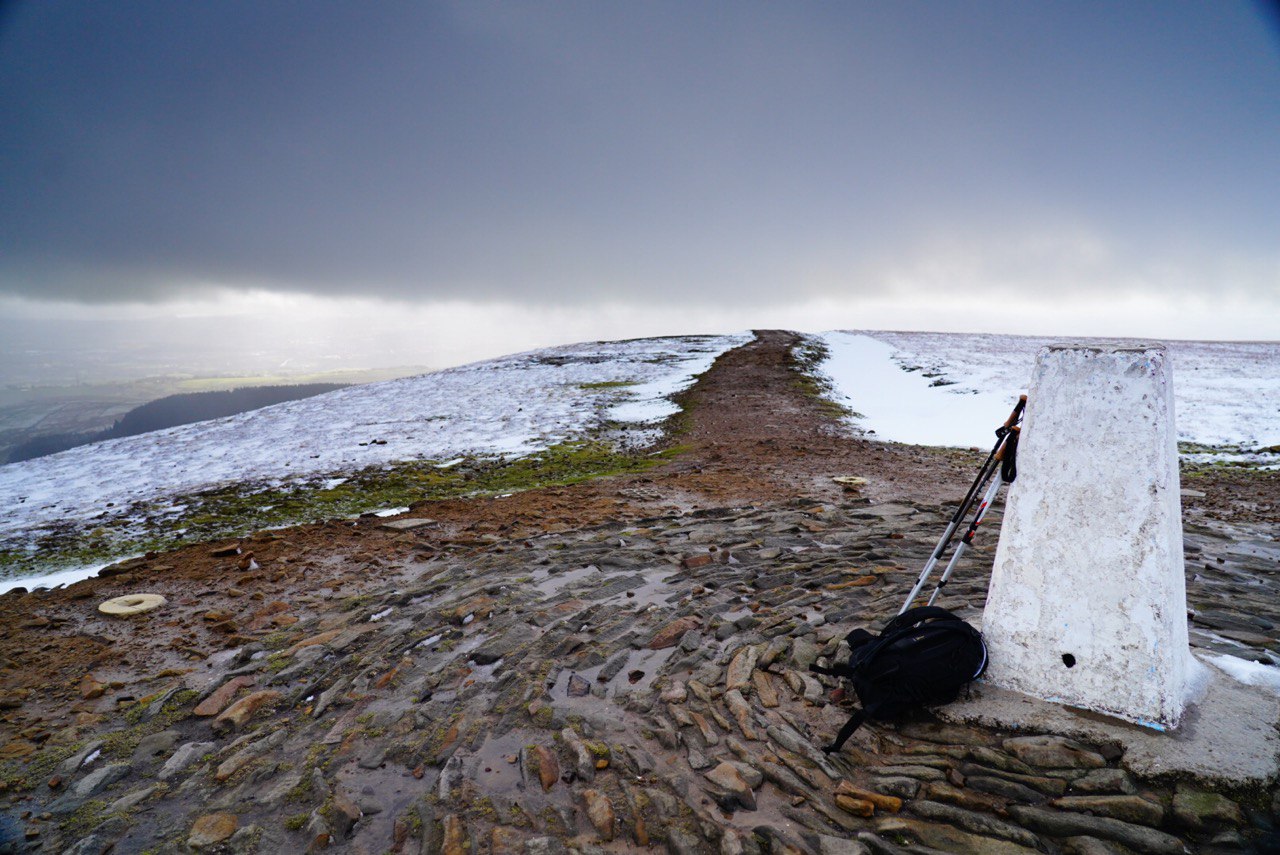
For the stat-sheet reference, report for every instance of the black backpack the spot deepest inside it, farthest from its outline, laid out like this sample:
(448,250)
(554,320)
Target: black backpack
(923,657)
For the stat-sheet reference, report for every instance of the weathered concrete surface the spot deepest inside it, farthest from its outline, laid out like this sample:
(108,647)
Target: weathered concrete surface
(1228,734)
(1087,604)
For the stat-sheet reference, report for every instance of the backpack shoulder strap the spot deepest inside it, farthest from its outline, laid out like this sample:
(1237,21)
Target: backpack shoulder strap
(855,721)
(840,669)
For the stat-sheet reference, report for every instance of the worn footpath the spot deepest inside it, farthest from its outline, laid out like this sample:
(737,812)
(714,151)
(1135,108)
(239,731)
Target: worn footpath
(620,666)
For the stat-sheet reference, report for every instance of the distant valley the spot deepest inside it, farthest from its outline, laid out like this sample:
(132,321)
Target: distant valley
(173,411)
(41,420)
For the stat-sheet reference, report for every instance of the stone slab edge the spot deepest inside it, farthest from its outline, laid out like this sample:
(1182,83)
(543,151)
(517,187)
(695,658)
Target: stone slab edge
(1228,736)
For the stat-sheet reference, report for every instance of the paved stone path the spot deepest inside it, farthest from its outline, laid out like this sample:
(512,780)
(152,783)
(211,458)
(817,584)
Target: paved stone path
(620,688)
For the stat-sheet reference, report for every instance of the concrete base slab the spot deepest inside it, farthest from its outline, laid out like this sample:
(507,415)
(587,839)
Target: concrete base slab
(1228,736)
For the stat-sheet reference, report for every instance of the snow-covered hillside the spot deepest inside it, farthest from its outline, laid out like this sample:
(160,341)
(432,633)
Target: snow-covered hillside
(927,388)
(953,388)
(512,406)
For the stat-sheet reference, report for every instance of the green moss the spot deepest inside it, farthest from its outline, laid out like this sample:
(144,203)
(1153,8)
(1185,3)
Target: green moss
(85,819)
(279,639)
(806,360)
(544,716)
(1258,459)
(277,662)
(235,511)
(607,384)
(517,817)
(134,712)
(26,773)
(484,808)
(314,760)
(175,709)
(356,602)
(121,743)
(553,822)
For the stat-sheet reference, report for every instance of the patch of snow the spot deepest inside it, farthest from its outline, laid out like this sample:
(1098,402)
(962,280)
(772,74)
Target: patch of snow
(1225,393)
(904,407)
(391,512)
(1198,675)
(63,577)
(512,406)
(650,401)
(1249,673)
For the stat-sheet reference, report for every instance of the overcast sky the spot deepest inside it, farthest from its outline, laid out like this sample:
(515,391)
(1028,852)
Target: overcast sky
(1045,167)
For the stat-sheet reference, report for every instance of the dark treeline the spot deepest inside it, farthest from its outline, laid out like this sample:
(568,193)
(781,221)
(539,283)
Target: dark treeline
(172,411)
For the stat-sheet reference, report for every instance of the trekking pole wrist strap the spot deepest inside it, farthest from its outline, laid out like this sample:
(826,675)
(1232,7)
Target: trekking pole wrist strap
(1008,456)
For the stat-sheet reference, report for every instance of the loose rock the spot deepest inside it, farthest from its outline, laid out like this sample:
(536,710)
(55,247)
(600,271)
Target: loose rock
(727,777)
(238,714)
(670,634)
(221,697)
(211,829)
(600,812)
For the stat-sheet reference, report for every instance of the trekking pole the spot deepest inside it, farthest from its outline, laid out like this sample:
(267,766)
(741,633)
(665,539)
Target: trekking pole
(1008,471)
(976,487)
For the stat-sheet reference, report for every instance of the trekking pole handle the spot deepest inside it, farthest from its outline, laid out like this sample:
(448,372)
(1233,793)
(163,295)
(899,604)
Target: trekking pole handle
(1005,445)
(1017,412)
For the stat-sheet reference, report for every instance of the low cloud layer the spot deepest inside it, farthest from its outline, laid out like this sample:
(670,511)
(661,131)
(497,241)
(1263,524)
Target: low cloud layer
(565,154)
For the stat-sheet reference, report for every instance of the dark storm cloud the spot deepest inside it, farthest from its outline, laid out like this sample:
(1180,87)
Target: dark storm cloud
(571,151)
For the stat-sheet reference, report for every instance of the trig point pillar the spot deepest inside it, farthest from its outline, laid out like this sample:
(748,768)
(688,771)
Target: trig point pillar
(1088,603)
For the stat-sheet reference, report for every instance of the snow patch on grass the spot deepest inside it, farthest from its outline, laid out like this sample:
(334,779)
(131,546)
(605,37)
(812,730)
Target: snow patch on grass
(954,389)
(903,406)
(500,409)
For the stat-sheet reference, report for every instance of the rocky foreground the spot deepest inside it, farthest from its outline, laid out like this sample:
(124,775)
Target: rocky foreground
(617,667)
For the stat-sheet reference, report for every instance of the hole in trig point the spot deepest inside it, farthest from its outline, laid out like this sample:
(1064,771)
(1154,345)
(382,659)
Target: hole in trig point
(1068,660)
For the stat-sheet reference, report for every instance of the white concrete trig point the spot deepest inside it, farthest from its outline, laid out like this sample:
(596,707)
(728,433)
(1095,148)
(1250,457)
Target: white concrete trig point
(1087,604)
